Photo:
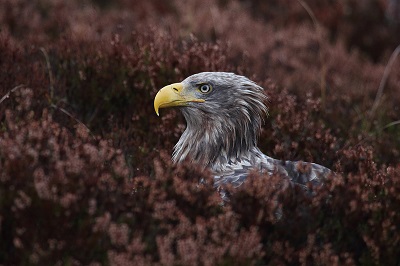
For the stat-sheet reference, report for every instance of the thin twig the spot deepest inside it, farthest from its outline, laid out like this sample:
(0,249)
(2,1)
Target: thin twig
(392,124)
(52,93)
(385,76)
(310,13)
(70,115)
(214,17)
(11,91)
(323,66)
(46,56)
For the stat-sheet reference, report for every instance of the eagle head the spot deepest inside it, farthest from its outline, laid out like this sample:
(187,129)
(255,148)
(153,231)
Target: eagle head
(224,113)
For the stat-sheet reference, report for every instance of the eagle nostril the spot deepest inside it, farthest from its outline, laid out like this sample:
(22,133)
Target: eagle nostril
(175,89)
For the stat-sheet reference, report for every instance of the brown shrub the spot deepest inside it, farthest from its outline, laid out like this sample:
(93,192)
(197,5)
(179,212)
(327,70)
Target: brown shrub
(111,196)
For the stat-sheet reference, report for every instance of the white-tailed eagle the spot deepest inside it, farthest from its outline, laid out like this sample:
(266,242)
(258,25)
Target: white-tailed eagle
(224,113)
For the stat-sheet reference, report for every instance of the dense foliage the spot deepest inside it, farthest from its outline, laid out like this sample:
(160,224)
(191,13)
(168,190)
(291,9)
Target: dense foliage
(85,171)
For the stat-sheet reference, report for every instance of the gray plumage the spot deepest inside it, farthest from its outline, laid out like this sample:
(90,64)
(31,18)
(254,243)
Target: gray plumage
(222,130)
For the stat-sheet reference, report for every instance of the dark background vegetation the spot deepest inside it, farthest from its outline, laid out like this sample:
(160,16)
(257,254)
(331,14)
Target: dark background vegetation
(85,172)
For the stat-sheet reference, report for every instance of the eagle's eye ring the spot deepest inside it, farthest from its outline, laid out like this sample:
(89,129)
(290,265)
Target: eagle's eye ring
(205,88)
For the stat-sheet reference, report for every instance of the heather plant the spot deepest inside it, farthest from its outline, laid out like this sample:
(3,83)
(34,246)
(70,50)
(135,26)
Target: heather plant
(85,170)
(354,22)
(51,179)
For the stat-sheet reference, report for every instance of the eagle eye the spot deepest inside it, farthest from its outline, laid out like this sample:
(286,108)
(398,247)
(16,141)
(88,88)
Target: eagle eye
(205,88)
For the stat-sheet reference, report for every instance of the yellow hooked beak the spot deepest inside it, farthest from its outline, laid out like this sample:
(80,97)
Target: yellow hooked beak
(174,95)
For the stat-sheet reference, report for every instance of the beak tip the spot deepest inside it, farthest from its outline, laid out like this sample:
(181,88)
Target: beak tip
(169,96)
